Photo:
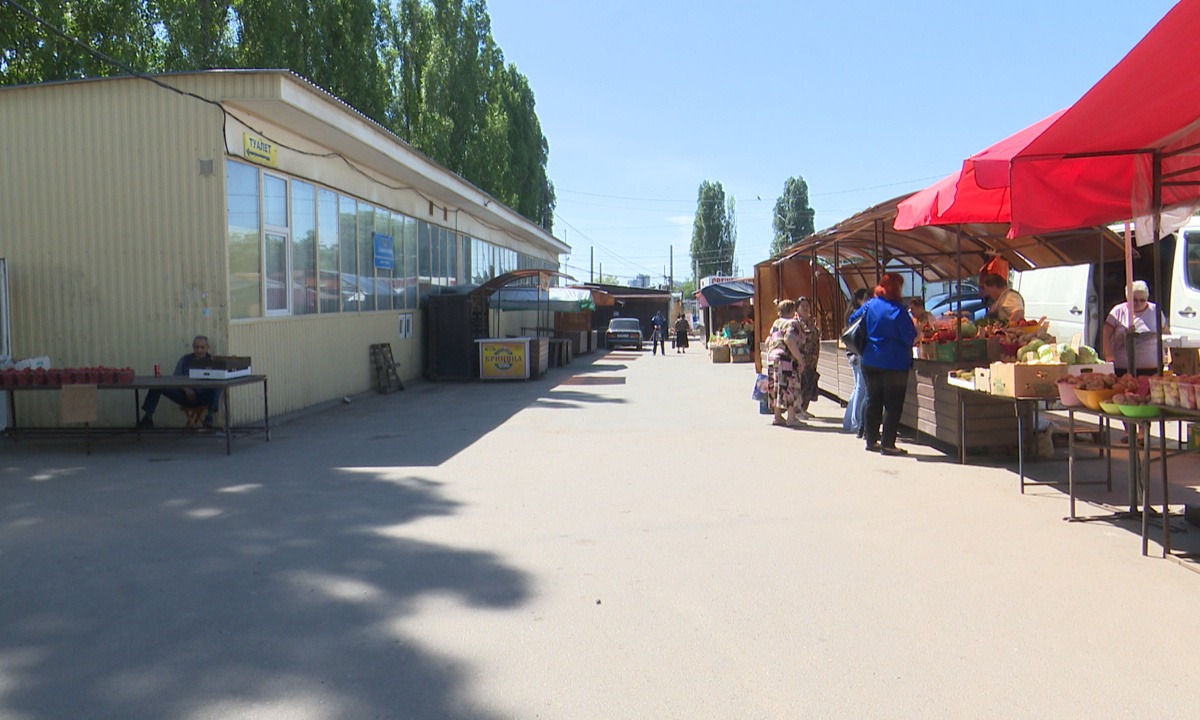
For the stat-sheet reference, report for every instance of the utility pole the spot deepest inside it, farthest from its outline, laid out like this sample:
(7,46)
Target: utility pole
(592,266)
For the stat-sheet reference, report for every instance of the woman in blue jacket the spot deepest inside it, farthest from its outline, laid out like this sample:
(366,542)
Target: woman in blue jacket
(886,362)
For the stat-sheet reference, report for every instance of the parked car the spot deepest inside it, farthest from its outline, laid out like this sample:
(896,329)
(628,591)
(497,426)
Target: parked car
(623,332)
(938,305)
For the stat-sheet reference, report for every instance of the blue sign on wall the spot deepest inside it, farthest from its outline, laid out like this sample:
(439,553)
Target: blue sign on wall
(385,252)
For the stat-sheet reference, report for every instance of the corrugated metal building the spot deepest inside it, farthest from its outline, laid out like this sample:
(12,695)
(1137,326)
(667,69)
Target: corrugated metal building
(249,206)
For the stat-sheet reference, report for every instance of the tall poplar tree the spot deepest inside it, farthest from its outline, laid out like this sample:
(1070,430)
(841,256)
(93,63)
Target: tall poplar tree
(714,236)
(428,70)
(794,217)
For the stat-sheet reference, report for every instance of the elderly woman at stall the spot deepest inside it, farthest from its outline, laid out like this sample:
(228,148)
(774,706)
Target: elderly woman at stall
(1148,323)
(810,352)
(887,360)
(784,365)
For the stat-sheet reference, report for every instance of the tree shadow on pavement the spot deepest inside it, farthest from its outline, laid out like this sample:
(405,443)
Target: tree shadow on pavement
(163,580)
(201,588)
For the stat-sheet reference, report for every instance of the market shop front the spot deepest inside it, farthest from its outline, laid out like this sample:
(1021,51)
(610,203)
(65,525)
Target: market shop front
(248,206)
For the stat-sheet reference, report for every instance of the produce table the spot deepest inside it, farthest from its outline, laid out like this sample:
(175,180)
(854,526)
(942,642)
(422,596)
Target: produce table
(147,382)
(1022,409)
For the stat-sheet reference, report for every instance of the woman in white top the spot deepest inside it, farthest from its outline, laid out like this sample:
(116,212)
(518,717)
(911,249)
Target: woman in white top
(1148,324)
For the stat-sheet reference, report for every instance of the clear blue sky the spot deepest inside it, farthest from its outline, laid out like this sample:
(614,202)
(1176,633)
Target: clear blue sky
(866,100)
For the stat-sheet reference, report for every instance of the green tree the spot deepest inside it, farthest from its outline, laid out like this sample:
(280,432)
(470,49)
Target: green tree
(428,70)
(714,236)
(793,219)
(31,53)
(196,34)
(335,43)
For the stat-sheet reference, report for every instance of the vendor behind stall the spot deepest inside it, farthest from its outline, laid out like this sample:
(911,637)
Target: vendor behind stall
(1007,304)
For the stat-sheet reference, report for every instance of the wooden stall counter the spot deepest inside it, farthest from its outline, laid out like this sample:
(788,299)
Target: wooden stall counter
(931,405)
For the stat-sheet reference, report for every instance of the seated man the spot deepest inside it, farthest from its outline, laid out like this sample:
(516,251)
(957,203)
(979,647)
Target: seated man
(187,397)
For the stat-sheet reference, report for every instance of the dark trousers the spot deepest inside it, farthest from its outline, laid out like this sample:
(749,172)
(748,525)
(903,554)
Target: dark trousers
(204,398)
(657,340)
(885,401)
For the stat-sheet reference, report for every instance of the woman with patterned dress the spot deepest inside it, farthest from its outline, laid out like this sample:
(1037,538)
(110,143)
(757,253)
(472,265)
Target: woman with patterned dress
(810,350)
(784,365)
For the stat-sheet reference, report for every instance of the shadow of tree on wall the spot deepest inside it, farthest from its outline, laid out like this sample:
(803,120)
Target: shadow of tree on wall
(183,591)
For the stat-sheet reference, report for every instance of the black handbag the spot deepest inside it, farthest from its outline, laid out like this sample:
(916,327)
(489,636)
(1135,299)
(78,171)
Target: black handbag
(854,337)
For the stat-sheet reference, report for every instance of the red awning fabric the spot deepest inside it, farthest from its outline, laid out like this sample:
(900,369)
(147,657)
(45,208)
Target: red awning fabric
(1095,163)
(978,193)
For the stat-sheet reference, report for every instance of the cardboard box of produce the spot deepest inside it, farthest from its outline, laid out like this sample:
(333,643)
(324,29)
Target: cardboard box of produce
(1022,380)
(973,350)
(983,379)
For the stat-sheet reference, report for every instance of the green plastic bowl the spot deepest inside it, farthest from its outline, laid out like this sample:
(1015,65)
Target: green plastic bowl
(1110,408)
(1139,411)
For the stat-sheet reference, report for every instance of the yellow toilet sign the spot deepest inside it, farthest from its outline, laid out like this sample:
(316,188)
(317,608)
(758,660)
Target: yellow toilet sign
(259,150)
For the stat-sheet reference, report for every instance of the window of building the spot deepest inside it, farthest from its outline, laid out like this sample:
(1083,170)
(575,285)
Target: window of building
(348,234)
(411,293)
(275,244)
(304,248)
(245,247)
(297,248)
(366,256)
(327,253)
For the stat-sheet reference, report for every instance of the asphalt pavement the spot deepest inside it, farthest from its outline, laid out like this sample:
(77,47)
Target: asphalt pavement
(625,537)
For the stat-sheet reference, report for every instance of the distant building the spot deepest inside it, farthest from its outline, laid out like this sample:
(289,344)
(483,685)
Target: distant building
(641,281)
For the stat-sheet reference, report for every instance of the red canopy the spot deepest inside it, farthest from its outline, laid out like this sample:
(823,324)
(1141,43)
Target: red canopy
(1097,163)
(976,194)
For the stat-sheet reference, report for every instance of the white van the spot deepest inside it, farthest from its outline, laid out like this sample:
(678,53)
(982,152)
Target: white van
(1066,296)
(1077,298)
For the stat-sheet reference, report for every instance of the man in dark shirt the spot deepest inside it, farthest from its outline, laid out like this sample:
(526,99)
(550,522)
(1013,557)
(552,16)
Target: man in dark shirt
(186,397)
(659,336)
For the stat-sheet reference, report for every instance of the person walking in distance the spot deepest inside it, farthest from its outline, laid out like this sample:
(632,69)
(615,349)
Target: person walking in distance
(681,334)
(659,337)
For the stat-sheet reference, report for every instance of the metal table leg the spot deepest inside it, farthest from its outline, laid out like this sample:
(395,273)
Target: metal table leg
(1020,444)
(1071,459)
(1145,487)
(228,431)
(266,412)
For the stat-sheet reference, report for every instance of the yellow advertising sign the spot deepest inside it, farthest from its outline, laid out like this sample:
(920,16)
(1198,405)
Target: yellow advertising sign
(259,150)
(503,359)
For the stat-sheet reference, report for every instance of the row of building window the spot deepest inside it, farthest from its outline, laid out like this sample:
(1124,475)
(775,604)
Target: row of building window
(298,249)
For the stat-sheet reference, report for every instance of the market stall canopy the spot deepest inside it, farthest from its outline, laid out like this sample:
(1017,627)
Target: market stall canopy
(553,299)
(730,292)
(858,246)
(1099,162)
(507,278)
(963,197)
